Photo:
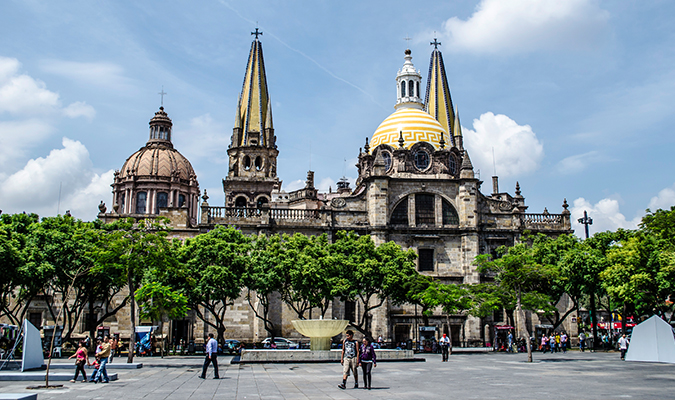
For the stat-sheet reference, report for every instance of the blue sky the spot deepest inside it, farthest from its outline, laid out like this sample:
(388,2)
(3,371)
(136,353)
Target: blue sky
(575,97)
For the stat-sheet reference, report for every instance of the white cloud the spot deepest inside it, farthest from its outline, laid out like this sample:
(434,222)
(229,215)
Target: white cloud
(606,216)
(576,163)
(79,109)
(294,185)
(517,149)
(19,93)
(100,74)
(35,188)
(17,136)
(515,26)
(203,138)
(664,200)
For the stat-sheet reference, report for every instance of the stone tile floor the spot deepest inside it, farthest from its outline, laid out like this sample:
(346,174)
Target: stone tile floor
(468,376)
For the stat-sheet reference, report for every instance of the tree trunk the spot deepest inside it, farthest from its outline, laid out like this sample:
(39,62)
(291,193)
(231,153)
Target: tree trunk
(623,319)
(594,323)
(522,327)
(132,337)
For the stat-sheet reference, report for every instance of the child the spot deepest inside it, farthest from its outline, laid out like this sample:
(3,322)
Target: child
(96,364)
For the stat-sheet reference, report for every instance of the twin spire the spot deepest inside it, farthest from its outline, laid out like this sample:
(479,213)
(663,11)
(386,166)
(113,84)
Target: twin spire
(254,111)
(438,102)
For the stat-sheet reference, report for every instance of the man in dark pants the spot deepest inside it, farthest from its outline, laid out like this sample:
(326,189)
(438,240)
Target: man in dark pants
(211,357)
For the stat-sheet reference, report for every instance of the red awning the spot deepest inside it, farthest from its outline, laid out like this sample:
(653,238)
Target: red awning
(504,327)
(616,325)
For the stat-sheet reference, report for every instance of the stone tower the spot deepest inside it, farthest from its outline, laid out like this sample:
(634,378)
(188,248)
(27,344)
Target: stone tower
(252,173)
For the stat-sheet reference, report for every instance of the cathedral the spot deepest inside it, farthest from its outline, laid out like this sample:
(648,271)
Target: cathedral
(416,186)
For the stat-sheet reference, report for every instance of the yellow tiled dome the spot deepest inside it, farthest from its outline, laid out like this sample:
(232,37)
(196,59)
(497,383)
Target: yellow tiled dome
(416,125)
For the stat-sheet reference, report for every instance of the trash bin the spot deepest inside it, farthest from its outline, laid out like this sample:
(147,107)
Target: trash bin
(191,347)
(409,344)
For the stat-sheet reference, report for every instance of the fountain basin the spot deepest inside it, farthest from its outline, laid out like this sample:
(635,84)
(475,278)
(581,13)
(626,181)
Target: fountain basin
(320,331)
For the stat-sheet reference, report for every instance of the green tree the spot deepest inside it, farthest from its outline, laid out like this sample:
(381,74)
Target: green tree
(21,281)
(128,248)
(370,274)
(519,272)
(212,267)
(307,271)
(157,301)
(263,279)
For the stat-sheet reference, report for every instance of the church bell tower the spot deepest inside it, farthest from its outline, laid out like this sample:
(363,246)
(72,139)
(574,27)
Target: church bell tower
(252,173)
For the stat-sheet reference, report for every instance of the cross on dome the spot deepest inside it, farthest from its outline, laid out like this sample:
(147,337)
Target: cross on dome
(162,93)
(256,33)
(436,43)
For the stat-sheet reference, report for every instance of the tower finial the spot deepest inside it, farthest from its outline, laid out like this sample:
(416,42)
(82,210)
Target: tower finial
(256,33)
(162,93)
(436,43)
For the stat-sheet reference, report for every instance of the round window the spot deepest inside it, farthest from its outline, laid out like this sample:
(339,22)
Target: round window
(421,159)
(387,160)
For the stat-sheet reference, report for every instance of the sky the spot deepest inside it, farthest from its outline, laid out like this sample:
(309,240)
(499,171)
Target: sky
(575,97)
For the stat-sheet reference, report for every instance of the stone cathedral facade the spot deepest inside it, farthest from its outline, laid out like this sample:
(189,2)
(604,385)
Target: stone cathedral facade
(416,186)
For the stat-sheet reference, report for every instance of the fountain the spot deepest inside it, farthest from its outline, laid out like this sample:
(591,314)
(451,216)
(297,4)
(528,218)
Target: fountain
(320,331)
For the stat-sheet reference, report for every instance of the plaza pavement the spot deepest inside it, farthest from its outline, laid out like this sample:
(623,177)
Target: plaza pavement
(573,375)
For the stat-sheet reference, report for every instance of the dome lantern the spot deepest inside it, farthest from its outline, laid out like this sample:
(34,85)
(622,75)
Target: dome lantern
(408,81)
(160,128)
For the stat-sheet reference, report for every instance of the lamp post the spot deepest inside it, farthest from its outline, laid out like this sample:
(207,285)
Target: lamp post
(586,220)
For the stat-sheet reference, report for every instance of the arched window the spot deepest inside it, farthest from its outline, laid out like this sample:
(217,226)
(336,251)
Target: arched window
(425,213)
(402,88)
(181,200)
(258,163)
(162,201)
(417,86)
(400,214)
(240,202)
(450,216)
(261,201)
(386,156)
(141,199)
(452,165)
(411,88)
(421,159)
(247,163)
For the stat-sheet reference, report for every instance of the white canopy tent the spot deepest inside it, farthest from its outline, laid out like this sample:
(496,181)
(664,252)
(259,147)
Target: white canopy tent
(652,341)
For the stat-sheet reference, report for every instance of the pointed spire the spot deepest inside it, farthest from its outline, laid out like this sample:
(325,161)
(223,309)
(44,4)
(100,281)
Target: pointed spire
(367,146)
(466,171)
(437,101)
(442,142)
(518,190)
(458,139)
(254,112)
(401,142)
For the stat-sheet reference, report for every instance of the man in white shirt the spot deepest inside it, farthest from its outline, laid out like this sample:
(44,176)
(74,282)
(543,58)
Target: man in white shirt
(623,346)
(211,357)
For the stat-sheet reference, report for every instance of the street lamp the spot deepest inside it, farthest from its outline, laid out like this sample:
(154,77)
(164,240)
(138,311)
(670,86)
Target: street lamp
(586,220)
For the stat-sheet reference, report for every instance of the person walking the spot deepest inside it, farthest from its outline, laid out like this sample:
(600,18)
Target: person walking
(368,360)
(551,343)
(582,342)
(211,357)
(113,349)
(349,359)
(557,342)
(445,346)
(80,361)
(103,354)
(544,343)
(623,346)
(509,342)
(563,342)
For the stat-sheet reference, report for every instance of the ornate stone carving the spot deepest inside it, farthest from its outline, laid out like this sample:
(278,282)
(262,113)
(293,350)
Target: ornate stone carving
(338,202)
(101,207)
